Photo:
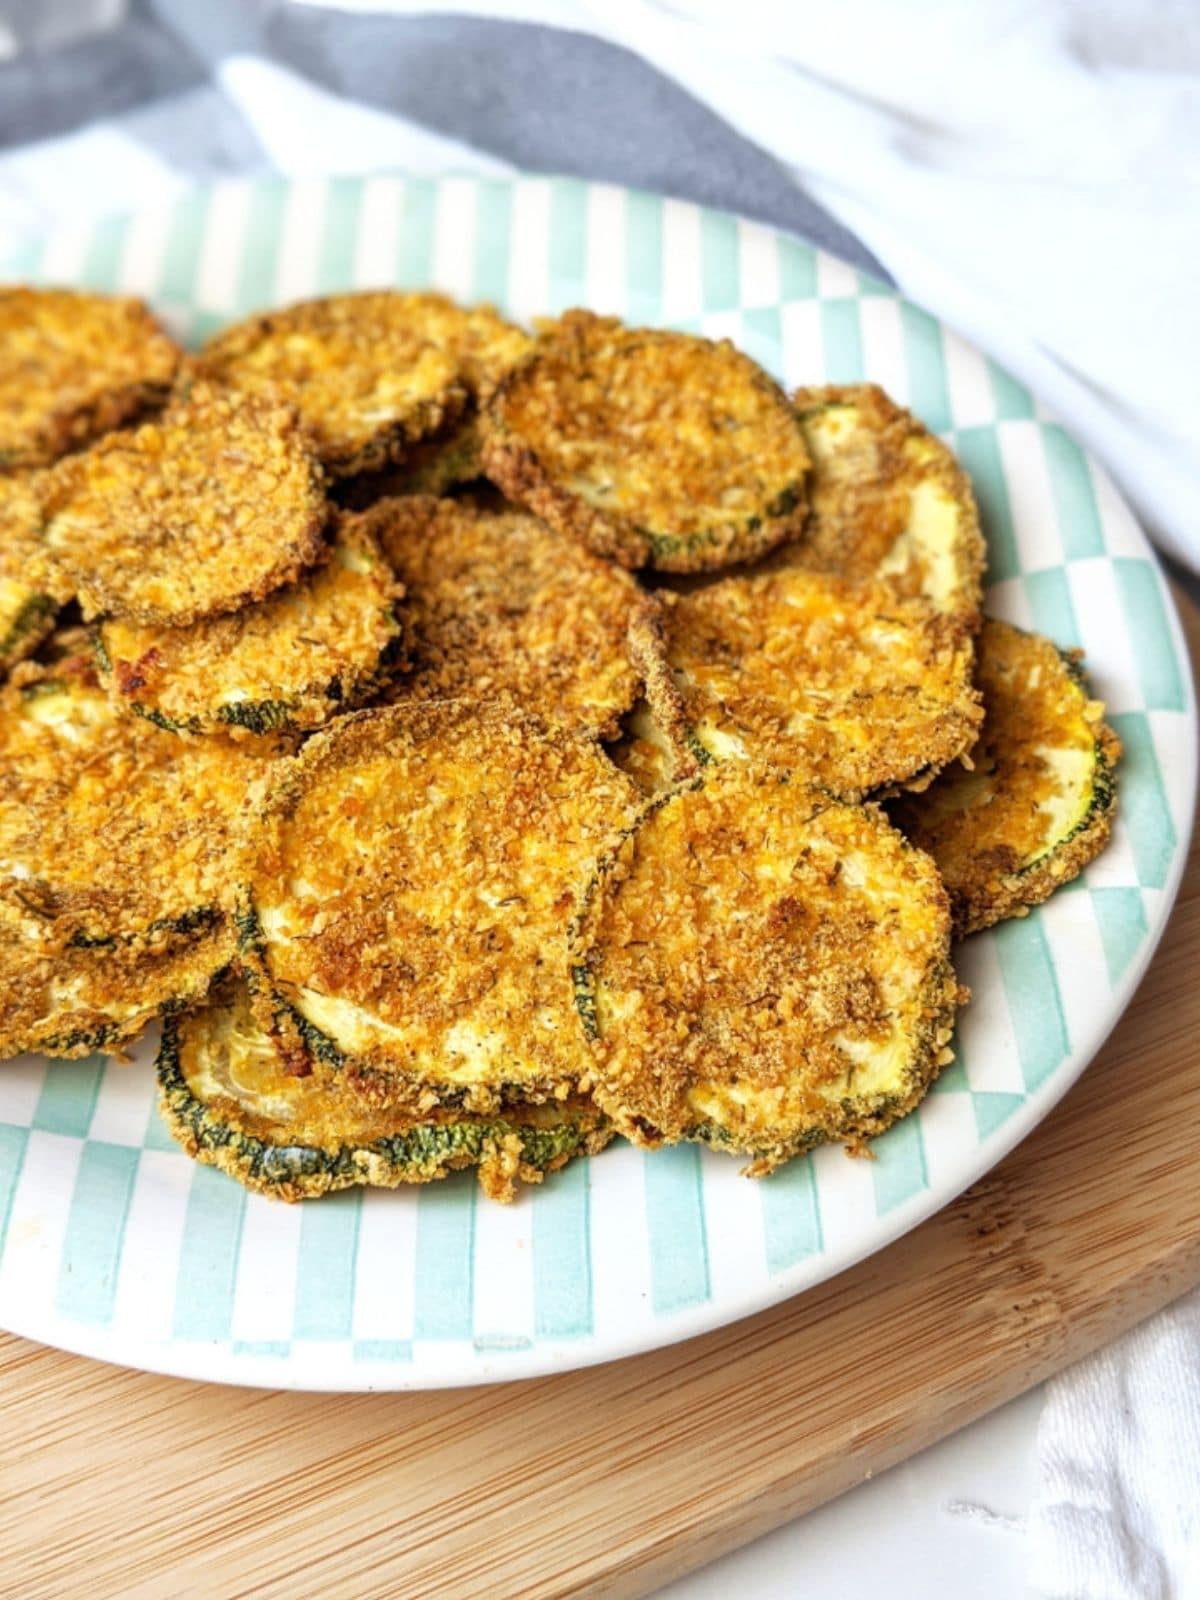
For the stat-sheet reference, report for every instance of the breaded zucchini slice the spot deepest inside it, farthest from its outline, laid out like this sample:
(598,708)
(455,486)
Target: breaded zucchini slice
(297,658)
(499,607)
(110,829)
(888,500)
(214,505)
(371,373)
(1036,803)
(763,970)
(654,448)
(225,1093)
(28,598)
(407,910)
(64,1000)
(846,685)
(72,366)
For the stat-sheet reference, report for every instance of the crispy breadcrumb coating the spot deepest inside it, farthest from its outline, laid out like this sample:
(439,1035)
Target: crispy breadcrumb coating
(887,500)
(29,595)
(211,507)
(653,448)
(304,654)
(844,684)
(1037,802)
(762,969)
(408,906)
(499,607)
(74,366)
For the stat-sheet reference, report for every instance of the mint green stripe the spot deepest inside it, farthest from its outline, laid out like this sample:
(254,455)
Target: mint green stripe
(873,288)
(978,450)
(720,266)
(841,338)
(157,1137)
(102,263)
(1034,1006)
(24,262)
(643,256)
(1146,613)
(791,1212)
(91,1252)
(445,1268)
(1074,495)
(260,247)
(324,1304)
(208,1255)
(1121,918)
(762,338)
(562,1265)
(185,239)
(898,1171)
(952,1079)
(567,262)
(68,1098)
(383,1350)
(925,358)
(1012,400)
(1052,606)
(797,268)
(675,1219)
(493,240)
(1142,798)
(264,1349)
(339,234)
(992,1110)
(13,1144)
(415,264)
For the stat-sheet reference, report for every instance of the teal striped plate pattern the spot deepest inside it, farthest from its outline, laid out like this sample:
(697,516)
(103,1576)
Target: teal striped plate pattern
(113,1243)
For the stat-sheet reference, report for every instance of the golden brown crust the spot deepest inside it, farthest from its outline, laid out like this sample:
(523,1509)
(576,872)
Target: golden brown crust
(499,607)
(211,507)
(887,499)
(109,828)
(652,448)
(762,969)
(371,373)
(301,656)
(70,1001)
(1036,802)
(75,366)
(414,876)
(845,685)
(29,596)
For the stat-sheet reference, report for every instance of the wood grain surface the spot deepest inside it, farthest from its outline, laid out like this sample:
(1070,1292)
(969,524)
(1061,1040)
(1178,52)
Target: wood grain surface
(610,1481)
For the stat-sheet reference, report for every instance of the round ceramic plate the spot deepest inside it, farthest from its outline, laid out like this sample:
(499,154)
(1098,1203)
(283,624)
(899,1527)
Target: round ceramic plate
(113,1243)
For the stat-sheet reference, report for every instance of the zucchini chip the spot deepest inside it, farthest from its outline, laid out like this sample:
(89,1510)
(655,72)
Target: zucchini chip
(371,373)
(1036,803)
(69,1001)
(407,910)
(28,602)
(763,970)
(499,607)
(888,500)
(111,830)
(74,366)
(846,685)
(214,505)
(226,1095)
(297,658)
(654,448)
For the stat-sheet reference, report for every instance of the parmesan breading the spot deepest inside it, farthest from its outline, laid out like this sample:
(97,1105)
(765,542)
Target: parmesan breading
(74,365)
(407,910)
(653,448)
(307,652)
(763,970)
(29,595)
(1036,802)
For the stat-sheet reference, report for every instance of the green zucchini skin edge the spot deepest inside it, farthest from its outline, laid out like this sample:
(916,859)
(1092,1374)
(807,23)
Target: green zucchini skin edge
(423,1152)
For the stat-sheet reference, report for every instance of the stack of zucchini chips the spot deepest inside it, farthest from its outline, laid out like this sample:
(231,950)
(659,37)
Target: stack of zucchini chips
(474,744)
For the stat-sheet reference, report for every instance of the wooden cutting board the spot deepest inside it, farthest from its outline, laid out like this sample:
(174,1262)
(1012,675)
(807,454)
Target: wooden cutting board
(610,1481)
